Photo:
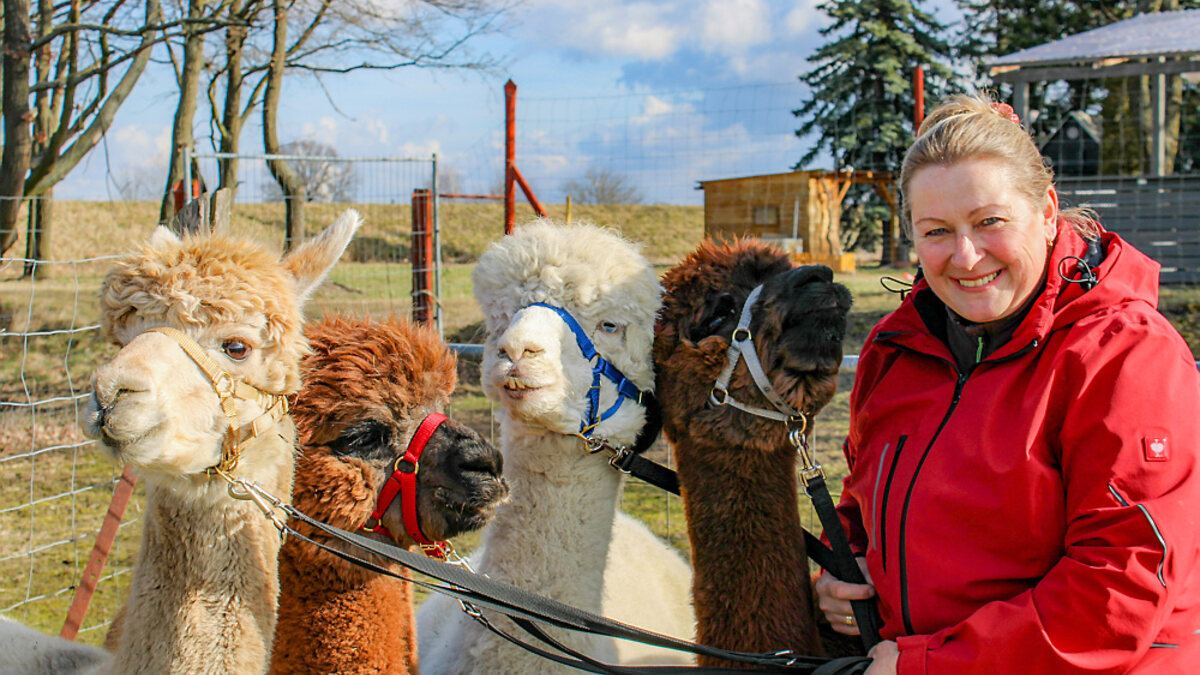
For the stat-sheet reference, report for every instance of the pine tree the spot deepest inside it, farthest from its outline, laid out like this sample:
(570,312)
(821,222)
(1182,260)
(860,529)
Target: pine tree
(862,102)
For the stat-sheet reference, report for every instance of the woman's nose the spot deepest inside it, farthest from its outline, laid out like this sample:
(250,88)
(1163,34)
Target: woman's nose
(966,252)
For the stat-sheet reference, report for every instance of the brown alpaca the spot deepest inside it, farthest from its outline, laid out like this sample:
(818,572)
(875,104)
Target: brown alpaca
(737,471)
(367,386)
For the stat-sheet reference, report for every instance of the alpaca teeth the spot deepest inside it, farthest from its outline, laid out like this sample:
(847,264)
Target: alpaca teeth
(976,283)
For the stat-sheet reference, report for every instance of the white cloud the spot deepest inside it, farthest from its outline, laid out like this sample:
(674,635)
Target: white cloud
(638,30)
(134,145)
(324,130)
(732,26)
(414,150)
(803,15)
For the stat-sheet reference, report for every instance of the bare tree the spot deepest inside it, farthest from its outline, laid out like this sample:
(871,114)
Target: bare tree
(599,185)
(326,178)
(64,56)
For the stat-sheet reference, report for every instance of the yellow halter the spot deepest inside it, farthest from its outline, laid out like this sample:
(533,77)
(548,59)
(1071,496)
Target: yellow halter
(229,390)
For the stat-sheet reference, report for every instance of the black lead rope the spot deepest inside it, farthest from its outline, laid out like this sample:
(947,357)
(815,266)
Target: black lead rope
(844,564)
(524,607)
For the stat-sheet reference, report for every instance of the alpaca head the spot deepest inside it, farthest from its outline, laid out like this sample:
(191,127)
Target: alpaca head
(152,405)
(797,325)
(532,364)
(367,387)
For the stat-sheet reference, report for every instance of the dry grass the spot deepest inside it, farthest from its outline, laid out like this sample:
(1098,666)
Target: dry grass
(54,500)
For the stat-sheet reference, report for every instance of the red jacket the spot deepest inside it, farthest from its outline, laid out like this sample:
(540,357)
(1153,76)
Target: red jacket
(1041,513)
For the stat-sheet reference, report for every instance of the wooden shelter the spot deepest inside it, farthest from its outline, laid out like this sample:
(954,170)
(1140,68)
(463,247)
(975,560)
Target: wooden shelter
(1157,211)
(801,211)
(1074,147)
(1156,44)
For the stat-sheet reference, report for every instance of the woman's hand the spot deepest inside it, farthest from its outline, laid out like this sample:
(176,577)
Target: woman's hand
(885,656)
(833,597)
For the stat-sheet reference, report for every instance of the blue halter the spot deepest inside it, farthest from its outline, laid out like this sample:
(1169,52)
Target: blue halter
(600,367)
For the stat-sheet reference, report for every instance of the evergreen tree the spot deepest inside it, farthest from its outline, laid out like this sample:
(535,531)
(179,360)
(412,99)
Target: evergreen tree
(861,109)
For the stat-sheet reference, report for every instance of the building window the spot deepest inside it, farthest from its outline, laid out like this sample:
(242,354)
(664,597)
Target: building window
(766,217)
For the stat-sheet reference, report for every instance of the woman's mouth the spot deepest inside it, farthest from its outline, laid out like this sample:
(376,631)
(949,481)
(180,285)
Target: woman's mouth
(978,281)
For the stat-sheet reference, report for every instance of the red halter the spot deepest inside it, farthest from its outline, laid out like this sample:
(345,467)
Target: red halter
(404,481)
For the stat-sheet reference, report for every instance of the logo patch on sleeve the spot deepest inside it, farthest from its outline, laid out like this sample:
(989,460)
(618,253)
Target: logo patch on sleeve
(1157,448)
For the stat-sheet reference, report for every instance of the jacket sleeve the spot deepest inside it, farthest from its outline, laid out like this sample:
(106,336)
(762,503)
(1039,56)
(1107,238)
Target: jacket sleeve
(1129,426)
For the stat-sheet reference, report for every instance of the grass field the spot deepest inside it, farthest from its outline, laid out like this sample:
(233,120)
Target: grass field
(56,487)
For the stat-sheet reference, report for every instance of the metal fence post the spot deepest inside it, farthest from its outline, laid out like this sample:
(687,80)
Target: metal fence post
(422,257)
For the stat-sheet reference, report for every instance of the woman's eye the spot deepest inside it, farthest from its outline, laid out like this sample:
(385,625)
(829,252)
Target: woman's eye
(936,232)
(990,221)
(610,327)
(236,349)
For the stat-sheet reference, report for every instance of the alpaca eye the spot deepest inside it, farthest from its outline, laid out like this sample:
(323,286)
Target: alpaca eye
(236,349)
(722,311)
(366,440)
(610,327)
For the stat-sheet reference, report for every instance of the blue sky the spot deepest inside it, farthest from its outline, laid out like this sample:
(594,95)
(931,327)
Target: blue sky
(664,92)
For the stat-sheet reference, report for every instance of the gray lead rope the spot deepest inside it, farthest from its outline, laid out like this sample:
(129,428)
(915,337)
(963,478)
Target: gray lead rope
(844,566)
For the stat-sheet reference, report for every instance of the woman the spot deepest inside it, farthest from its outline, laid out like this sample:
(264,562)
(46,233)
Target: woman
(1024,481)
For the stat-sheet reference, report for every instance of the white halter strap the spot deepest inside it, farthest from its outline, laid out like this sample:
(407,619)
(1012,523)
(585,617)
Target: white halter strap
(742,345)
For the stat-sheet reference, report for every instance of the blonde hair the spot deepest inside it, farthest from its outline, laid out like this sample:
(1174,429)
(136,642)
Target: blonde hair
(969,126)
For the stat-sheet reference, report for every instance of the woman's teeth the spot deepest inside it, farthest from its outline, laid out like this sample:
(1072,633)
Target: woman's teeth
(976,283)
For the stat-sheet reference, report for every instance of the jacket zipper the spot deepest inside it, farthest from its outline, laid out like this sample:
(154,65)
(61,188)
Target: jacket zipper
(887,489)
(958,388)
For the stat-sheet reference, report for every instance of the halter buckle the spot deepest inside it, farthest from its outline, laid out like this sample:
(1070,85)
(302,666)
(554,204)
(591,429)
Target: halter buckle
(743,331)
(224,384)
(718,400)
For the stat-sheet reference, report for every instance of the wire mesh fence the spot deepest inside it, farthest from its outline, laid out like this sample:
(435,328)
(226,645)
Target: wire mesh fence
(647,154)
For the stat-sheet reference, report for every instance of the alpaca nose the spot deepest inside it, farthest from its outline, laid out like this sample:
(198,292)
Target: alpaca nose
(110,385)
(808,274)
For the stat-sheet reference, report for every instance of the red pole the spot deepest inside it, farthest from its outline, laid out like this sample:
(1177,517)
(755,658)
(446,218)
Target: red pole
(422,257)
(919,98)
(510,155)
(533,200)
(95,564)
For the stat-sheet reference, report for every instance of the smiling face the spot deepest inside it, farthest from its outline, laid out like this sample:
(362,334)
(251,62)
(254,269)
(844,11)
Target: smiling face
(982,243)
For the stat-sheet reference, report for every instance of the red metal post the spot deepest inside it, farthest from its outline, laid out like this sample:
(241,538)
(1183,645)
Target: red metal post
(510,154)
(104,541)
(422,257)
(918,98)
(533,200)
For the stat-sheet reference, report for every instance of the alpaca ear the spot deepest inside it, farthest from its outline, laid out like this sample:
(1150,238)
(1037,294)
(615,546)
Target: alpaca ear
(311,261)
(163,236)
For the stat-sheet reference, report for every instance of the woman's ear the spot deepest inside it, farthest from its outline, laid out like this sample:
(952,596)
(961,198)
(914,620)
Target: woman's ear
(1050,214)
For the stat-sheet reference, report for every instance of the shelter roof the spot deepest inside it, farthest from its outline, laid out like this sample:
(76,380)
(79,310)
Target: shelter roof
(1151,35)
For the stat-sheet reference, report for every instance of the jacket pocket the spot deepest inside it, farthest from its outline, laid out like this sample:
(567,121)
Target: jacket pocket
(881,521)
(1162,540)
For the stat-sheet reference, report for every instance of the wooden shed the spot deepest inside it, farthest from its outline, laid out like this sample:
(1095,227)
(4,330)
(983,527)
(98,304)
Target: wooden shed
(799,210)
(1073,149)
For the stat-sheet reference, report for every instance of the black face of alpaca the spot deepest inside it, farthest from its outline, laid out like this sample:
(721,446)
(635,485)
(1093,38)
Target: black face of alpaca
(458,481)
(799,320)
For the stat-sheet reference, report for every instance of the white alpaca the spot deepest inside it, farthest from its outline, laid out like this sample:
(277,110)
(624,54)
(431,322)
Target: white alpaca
(555,536)
(203,594)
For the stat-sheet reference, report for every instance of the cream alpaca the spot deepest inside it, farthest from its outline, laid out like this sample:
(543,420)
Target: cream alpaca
(203,594)
(556,536)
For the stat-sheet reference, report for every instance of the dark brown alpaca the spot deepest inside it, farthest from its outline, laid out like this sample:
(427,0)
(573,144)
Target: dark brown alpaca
(367,386)
(751,586)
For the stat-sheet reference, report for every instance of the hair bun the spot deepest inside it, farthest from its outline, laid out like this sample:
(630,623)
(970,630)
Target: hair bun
(1006,110)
